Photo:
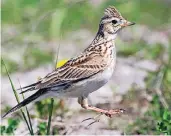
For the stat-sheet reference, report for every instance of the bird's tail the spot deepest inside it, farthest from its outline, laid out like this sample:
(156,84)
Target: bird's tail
(33,97)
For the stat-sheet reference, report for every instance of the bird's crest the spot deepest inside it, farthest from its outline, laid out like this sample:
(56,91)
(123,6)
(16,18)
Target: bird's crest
(111,11)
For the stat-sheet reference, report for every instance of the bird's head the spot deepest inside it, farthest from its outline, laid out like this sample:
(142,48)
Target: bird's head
(112,21)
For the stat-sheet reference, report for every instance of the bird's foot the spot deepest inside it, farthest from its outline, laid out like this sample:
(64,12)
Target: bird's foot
(95,119)
(109,113)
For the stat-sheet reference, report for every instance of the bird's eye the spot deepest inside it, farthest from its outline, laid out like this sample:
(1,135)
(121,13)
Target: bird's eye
(114,21)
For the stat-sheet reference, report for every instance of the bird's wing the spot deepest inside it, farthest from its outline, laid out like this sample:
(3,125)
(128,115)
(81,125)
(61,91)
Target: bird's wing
(76,69)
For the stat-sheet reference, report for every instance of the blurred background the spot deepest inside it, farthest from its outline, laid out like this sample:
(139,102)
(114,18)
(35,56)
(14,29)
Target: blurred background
(33,32)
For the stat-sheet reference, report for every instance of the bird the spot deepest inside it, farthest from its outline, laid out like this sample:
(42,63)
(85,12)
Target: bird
(85,73)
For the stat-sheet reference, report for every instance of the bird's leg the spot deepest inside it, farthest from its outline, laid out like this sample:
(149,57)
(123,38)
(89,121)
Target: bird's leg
(84,104)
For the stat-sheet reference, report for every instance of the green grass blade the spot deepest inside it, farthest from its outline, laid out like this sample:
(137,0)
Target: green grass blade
(28,114)
(50,116)
(24,116)
(52,101)
(16,96)
(13,88)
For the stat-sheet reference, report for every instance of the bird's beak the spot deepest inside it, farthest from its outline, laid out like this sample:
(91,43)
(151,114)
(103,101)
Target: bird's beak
(127,23)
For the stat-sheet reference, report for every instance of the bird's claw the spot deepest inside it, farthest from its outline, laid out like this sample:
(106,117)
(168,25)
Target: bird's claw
(96,119)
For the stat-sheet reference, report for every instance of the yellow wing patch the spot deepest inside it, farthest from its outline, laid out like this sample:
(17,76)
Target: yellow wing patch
(61,63)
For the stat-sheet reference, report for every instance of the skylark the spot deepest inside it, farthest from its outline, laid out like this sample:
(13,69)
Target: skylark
(85,73)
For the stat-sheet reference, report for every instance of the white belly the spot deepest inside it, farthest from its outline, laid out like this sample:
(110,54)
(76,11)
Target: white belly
(85,87)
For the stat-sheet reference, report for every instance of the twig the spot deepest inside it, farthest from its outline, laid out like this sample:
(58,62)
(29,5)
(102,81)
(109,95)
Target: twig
(160,77)
(162,99)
